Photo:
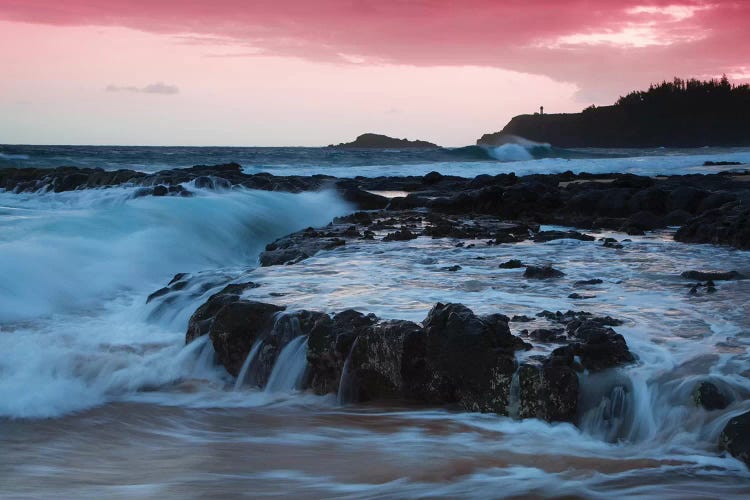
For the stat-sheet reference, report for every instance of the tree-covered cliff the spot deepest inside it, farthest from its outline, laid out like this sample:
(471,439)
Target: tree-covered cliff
(681,113)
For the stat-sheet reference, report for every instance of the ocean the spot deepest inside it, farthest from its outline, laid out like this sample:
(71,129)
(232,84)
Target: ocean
(101,398)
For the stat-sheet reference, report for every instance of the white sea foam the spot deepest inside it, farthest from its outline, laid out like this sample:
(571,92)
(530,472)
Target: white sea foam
(76,269)
(75,332)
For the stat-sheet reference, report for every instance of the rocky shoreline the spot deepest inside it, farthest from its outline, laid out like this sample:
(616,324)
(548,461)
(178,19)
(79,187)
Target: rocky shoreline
(454,357)
(708,208)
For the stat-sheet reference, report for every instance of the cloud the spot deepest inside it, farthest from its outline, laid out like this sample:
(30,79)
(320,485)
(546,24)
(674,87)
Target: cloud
(605,47)
(154,88)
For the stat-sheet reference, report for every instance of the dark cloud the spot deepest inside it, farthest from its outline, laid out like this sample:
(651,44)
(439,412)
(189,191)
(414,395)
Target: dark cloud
(154,88)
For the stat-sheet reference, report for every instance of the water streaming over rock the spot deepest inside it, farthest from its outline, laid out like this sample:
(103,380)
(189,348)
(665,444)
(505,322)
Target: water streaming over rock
(345,394)
(247,365)
(290,367)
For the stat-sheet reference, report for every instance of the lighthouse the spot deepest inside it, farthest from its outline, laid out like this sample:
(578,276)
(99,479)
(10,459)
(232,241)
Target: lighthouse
(541,110)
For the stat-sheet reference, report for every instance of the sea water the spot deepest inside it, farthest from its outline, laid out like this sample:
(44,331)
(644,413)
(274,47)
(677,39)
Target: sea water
(100,397)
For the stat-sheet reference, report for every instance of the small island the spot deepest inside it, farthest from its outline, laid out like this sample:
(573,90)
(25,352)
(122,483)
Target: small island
(681,113)
(379,141)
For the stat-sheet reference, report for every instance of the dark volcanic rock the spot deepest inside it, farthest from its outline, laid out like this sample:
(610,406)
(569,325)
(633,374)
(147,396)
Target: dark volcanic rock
(597,346)
(468,360)
(595,281)
(548,335)
(727,225)
(286,327)
(521,319)
(457,357)
(544,236)
(712,275)
(549,391)
(381,363)
(365,200)
(201,320)
(735,438)
(236,327)
(330,342)
(542,272)
(432,178)
(297,247)
(511,264)
(685,198)
(400,235)
(710,397)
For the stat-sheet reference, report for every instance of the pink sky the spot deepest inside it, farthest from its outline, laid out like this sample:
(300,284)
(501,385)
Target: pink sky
(280,72)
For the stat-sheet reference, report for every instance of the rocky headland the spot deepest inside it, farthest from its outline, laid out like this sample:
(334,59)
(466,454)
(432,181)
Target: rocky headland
(672,114)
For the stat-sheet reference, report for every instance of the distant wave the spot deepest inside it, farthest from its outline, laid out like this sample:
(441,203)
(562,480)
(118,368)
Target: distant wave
(519,149)
(516,148)
(8,156)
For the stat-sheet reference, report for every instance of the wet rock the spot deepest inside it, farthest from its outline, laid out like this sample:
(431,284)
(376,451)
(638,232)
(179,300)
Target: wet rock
(432,178)
(577,317)
(712,275)
(400,235)
(549,391)
(598,346)
(521,319)
(651,200)
(159,293)
(728,225)
(735,438)
(286,327)
(211,182)
(512,233)
(578,296)
(511,264)
(715,200)
(611,243)
(542,272)
(160,190)
(595,281)
(720,163)
(201,320)
(685,198)
(545,236)
(177,277)
(378,366)
(548,335)
(643,221)
(708,396)
(363,199)
(236,327)
(677,218)
(468,360)
(452,269)
(296,248)
(330,342)
(359,218)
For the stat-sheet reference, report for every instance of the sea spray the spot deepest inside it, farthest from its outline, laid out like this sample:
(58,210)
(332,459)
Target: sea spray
(78,267)
(106,244)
